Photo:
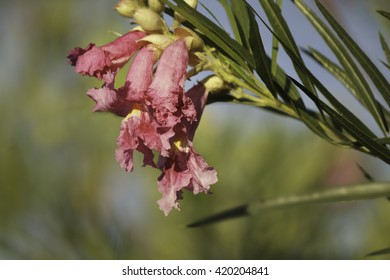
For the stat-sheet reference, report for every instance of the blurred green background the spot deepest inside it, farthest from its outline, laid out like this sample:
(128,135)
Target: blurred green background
(63,196)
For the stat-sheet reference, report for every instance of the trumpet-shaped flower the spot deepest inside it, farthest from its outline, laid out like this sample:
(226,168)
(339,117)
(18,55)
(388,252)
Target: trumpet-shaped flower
(98,61)
(166,93)
(139,131)
(184,168)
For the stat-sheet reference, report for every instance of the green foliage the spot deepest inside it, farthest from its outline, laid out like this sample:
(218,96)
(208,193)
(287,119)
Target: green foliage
(362,88)
(333,121)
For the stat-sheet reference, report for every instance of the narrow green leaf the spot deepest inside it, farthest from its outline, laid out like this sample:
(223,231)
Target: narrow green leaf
(236,212)
(385,47)
(288,91)
(286,88)
(355,122)
(384,13)
(334,69)
(314,121)
(283,32)
(330,130)
(369,67)
(241,15)
(239,71)
(232,20)
(346,61)
(384,140)
(344,118)
(380,252)
(349,122)
(212,15)
(325,130)
(339,194)
(274,55)
(275,47)
(340,74)
(220,39)
(385,64)
(257,47)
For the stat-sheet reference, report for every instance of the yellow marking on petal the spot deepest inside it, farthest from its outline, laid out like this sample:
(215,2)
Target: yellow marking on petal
(179,145)
(135,112)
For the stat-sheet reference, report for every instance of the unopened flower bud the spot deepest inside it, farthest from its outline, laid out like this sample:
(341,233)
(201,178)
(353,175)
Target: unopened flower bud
(214,84)
(127,8)
(182,32)
(156,5)
(149,20)
(178,17)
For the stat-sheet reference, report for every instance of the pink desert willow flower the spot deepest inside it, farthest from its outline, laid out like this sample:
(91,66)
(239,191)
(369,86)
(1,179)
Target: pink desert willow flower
(166,93)
(184,168)
(179,113)
(99,61)
(158,115)
(139,131)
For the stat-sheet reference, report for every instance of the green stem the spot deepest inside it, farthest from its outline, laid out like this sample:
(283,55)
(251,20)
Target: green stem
(264,102)
(263,98)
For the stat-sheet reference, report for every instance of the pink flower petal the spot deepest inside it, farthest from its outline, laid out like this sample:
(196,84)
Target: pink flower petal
(109,100)
(183,169)
(170,183)
(202,175)
(97,61)
(76,52)
(127,142)
(166,90)
(140,74)
(94,62)
(138,132)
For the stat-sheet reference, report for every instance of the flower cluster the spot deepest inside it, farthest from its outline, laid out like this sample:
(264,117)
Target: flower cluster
(159,116)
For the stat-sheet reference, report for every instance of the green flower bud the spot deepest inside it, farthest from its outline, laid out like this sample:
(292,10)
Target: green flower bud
(149,20)
(127,8)
(156,5)
(214,84)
